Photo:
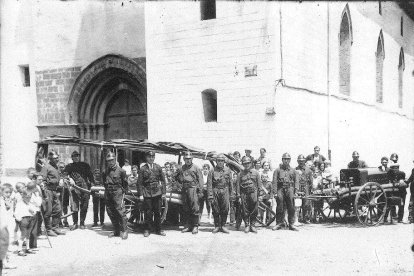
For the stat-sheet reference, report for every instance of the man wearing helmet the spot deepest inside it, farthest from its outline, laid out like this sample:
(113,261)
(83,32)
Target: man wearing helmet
(115,182)
(191,179)
(410,181)
(81,173)
(219,189)
(394,158)
(356,163)
(248,185)
(51,175)
(152,189)
(304,177)
(285,186)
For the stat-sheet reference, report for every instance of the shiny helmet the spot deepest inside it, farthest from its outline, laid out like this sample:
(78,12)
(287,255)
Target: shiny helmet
(286,156)
(246,160)
(110,156)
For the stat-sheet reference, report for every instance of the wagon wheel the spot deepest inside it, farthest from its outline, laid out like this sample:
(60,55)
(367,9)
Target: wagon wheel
(370,204)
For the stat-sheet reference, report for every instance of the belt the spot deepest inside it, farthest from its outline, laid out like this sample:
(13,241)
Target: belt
(220,187)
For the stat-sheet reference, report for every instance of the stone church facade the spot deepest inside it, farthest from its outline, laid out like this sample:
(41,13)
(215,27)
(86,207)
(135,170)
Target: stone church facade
(249,75)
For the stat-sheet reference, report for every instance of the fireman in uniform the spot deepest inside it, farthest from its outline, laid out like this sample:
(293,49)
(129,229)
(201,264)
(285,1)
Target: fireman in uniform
(356,163)
(304,177)
(285,186)
(152,189)
(248,185)
(51,175)
(81,173)
(219,189)
(115,183)
(191,179)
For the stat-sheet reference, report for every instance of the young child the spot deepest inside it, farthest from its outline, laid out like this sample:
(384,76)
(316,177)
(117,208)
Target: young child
(16,231)
(35,203)
(4,233)
(27,206)
(8,205)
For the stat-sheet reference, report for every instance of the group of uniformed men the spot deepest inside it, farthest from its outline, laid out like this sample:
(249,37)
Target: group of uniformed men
(151,188)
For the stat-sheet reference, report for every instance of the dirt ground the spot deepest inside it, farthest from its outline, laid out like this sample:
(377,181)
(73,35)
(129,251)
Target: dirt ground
(317,249)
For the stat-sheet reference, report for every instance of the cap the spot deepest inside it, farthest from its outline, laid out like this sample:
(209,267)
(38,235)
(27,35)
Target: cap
(355,154)
(110,156)
(188,155)
(286,156)
(394,157)
(301,157)
(75,153)
(221,157)
(246,160)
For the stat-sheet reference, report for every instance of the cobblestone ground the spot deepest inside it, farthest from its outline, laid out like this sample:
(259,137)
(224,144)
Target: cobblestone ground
(317,249)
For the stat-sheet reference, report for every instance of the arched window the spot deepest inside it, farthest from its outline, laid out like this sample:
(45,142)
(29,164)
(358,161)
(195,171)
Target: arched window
(401,67)
(380,55)
(345,42)
(209,98)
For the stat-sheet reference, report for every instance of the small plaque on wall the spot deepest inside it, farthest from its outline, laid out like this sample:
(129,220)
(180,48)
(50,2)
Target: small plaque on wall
(250,71)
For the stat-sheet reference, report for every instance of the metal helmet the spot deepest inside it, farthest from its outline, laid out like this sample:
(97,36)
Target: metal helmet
(301,157)
(110,156)
(394,157)
(188,155)
(286,156)
(246,160)
(150,153)
(75,153)
(355,154)
(221,157)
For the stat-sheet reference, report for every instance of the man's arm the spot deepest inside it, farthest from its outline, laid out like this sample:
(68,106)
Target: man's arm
(210,185)
(274,182)
(139,183)
(200,180)
(238,186)
(90,177)
(163,184)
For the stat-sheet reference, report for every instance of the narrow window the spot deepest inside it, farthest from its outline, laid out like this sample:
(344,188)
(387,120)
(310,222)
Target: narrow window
(208,9)
(402,26)
(379,7)
(401,67)
(345,42)
(209,98)
(25,75)
(379,68)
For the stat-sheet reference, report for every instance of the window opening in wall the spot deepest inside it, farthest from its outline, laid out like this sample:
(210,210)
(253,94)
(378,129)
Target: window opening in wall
(379,68)
(402,26)
(209,98)
(208,9)
(345,42)
(25,75)
(401,68)
(379,7)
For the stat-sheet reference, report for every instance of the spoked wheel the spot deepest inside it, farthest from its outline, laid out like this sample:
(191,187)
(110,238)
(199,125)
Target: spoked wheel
(370,204)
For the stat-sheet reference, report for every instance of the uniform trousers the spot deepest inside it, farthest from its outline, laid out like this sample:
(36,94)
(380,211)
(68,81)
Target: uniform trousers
(80,201)
(191,208)
(54,212)
(114,201)
(220,206)
(285,197)
(98,209)
(249,206)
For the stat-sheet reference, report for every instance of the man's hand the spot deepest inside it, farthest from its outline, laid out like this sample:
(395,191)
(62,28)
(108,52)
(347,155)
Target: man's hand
(141,198)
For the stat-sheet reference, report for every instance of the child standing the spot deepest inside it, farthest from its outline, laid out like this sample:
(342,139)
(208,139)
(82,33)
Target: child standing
(7,217)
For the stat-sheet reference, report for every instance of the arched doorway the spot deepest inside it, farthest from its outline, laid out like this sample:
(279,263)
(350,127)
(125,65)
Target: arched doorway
(109,101)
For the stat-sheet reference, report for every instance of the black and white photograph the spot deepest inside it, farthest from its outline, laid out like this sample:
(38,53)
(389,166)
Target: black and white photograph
(206,137)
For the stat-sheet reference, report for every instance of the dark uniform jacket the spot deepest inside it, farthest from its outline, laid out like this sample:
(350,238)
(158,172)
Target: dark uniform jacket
(248,182)
(284,177)
(319,159)
(411,180)
(81,173)
(51,175)
(219,179)
(190,177)
(356,165)
(151,182)
(304,178)
(115,178)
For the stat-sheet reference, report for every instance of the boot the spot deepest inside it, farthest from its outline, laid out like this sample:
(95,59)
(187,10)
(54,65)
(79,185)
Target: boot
(74,227)
(223,223)
(216,230)
(195,230)
(246,228)
(66,224)
(253,229)
(186,229)
(160,233)
(114,234)
(293,228)
(82,226)
(124,235)
(146,233)
(278,226)
(58,232)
